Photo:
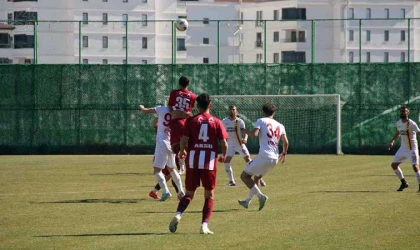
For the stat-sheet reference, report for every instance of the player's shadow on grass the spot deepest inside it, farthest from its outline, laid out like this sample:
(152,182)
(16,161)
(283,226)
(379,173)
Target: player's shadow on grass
(98,235)
(192,212)
(123,174)
(348,191)
(84,201)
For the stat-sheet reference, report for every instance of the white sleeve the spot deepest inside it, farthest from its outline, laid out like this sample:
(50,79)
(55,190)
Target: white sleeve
(242,124)
(415,127)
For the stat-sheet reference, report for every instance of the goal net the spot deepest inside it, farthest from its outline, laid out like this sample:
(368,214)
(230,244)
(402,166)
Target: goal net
(312,122)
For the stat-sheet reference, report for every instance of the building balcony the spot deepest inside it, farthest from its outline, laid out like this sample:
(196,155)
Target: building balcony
(5,46)
(293,40)
(259,44)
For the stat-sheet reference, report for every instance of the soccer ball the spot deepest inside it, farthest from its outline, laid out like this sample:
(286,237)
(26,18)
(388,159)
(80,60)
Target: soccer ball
(182,24)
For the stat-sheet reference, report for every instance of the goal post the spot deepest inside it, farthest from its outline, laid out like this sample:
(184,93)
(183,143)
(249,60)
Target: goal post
(312,122)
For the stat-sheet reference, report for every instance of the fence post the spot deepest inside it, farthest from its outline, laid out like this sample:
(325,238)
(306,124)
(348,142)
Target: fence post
(35,42)
(360,40)
(408,60)
(80,42)
(218,42)
(265,41)
(126,42)
(173,54)
(408,38)
(313,42)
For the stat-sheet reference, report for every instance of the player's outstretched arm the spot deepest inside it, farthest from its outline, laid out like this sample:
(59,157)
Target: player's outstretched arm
(146,110)
(285,148)
(391,143)
(253,133)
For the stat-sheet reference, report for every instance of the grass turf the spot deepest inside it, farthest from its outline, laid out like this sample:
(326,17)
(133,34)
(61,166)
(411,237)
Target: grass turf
(101,202)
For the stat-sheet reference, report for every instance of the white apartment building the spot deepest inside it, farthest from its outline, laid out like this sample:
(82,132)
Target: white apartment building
(104,35)
(283,31)
(271,31)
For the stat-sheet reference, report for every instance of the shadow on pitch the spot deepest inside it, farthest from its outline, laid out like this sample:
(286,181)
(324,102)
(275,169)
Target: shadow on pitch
(348,191)
(123,174)
(87,201)
(191,212)
(98,235)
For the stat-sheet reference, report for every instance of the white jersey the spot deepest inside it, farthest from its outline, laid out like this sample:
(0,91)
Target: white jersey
(408,133)
(164,116)
(233,128)
(269,135)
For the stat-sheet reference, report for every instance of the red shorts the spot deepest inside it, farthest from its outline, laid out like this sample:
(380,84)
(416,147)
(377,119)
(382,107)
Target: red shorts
(194,176)
(177,129)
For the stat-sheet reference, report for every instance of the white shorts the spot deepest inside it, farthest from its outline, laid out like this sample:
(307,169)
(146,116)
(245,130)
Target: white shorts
(260,165)
(241,149)
(404,154)
(163,156)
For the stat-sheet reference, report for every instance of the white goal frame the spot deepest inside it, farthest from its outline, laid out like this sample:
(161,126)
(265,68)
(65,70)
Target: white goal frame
(336,96)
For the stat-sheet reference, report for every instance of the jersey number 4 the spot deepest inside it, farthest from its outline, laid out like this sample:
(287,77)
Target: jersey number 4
(203,135)
(182,103)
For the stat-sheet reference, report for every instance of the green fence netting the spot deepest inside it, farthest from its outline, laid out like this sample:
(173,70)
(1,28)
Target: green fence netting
(94,108)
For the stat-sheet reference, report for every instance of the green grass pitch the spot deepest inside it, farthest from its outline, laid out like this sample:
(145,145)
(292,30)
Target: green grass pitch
(101,202)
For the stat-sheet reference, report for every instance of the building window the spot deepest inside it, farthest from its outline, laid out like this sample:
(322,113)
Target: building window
(402,57)
(387,13)
(368,13)
(181,44)
(105,2)
(144,20)
(144,61)
(206,20)
(5,40)
(85,41)
(144,1)
(301,37)
(124,42)
(242,18)
(259,58)
(386,35)
(24,17)
(276,58)
(205,60)
(293,14)
(367,56)
(125,19)
(85,61)
(276,36)
(402,13)
(276,15)
(259,21)
(104,61)
(259,42)
(293,56)
(124,61)
(104,18)
(144,42)
(104,42)
(85,18)
(368,35)
(351,35)
(23,41)
(351,13)
(206,40)
(125,1)
(402,35)
(386,57)
(241,58)
(10,18)
(351,57)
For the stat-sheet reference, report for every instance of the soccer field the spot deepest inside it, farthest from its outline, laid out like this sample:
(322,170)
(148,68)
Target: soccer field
(101,202)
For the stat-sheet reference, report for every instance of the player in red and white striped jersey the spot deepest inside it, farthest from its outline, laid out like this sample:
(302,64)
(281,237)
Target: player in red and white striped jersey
(199,144)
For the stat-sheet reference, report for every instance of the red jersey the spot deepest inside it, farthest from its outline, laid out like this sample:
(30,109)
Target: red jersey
(182,99)
(204,131)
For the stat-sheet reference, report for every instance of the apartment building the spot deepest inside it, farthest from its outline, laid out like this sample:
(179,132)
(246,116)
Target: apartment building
(109,31)
(304,31)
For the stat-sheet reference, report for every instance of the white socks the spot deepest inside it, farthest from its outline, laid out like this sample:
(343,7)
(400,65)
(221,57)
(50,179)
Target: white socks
(177,179)
(399,173)
(229,171)
(257,191)
(162,182)
(418,176)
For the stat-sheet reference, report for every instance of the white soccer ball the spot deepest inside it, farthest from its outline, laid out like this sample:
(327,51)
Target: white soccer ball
(182,24)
